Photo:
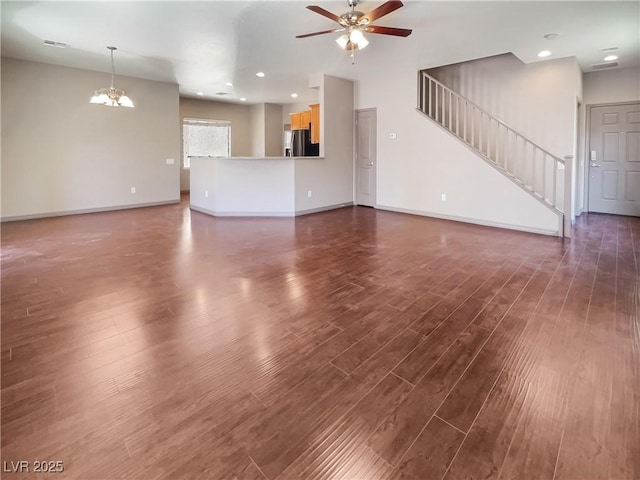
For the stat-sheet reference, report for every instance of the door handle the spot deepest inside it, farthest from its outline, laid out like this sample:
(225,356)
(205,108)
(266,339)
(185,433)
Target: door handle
(595,165)
(370,164)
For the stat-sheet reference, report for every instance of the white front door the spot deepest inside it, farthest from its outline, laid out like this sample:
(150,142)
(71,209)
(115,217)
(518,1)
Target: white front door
(366,157)
(614,159)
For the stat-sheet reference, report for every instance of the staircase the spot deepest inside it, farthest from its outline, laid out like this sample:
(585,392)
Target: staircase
(524,162)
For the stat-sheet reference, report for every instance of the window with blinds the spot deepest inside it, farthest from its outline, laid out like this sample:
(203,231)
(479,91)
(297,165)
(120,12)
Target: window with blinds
(205,138)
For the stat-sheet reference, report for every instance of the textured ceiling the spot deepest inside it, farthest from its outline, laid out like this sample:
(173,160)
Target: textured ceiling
(203,45)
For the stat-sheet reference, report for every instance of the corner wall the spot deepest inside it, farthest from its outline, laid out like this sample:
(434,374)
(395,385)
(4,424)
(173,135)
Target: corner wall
(424,162)
(330,179)
(62,155)
(273,130)
(257,130)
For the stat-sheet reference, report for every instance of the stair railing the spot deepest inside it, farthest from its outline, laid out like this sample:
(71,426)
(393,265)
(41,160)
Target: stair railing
(526,162)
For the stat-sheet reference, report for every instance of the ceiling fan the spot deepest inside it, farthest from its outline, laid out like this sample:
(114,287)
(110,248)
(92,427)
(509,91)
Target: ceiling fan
(355,23)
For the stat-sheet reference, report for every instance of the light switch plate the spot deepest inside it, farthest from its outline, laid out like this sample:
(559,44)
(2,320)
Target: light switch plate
(170,161)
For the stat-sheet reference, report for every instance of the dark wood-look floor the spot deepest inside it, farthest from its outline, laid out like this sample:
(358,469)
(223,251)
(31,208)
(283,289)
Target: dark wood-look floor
(354,344)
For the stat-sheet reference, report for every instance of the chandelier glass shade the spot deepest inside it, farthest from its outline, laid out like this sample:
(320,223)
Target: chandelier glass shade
(111,96)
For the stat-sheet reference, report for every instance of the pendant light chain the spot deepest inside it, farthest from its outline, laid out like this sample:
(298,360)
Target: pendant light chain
(113,68)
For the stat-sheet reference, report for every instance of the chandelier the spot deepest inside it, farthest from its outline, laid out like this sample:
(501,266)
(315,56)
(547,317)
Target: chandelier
(112,96)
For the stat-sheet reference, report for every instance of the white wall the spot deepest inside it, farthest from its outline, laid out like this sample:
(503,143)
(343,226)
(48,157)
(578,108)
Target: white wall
(240,187)
(612,86)
(424,161)
(61,154)
(257,130)
(267,130)
(330,179)
(238,115)
(273,130)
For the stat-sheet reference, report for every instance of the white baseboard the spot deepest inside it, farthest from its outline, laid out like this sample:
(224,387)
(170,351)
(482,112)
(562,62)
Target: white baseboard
(215,213)
(323,209)
(65,213)
(475,221)
(297,213)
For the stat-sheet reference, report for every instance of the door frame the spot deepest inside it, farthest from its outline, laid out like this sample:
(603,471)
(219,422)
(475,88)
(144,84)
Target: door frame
(355,150)
(587,146)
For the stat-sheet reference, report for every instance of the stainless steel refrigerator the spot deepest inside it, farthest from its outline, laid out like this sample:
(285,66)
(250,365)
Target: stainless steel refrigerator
(301,144)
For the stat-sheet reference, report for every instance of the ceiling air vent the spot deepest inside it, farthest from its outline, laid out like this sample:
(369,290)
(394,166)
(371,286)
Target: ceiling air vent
(53,43)
(602,66)
(220,94)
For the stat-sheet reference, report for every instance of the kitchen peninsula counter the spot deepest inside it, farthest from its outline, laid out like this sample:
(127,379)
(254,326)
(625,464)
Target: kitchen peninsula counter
(263,186)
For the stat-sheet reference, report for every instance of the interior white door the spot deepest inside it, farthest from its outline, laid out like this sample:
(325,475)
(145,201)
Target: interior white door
(366,157)
(614,159)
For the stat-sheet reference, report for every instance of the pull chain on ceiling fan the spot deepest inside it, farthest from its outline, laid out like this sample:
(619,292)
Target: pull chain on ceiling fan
(354,23)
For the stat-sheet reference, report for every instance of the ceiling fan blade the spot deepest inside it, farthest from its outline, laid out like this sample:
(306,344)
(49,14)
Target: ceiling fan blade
(324,13)
(384,9)
(398,32)
(320,33)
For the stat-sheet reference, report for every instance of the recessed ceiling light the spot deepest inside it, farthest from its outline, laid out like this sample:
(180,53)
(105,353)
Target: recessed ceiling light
(229,84)
(610,58)
(199,93)
(260,74)
(544,53)
(294,95)
(243,99)
(551,36)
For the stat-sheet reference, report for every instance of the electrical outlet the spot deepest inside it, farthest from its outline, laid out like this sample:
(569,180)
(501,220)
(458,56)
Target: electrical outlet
(309,194)
(170,161)
(443,197)
(133,189)
(206,193)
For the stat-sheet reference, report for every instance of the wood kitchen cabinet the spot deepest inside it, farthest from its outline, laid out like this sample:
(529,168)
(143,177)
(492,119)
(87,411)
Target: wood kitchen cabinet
(296,121)
(315,123)
(305,119)
(301,120)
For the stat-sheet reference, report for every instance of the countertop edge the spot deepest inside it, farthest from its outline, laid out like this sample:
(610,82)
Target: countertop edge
(261,158)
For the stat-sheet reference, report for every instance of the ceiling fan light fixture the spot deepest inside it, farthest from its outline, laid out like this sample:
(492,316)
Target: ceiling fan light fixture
(356,23)
(356,36)
(111,96)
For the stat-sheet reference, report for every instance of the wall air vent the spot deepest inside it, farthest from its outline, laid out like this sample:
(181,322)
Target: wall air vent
(53,43)
(220,94)
(609,49)
(602,66)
